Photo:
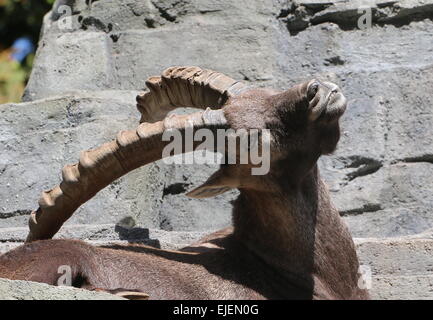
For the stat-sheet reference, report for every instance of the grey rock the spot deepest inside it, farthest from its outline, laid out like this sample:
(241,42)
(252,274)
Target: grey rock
(417,287)
(393,201)
(387,121)
(399,257)
(400,268)
(76,62)
(397,185)
(393,222)
(299,15)
(82,91)
(119,44)
(132,40)
(28,290)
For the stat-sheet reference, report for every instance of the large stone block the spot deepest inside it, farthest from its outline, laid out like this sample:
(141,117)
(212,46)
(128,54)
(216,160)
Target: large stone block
(400,268)
(68,62)
(245,54)
(394,201)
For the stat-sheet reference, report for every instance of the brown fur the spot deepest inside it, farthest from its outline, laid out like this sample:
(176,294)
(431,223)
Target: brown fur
(288,241)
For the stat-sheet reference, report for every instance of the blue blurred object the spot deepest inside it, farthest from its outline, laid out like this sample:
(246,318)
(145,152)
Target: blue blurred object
(21,48)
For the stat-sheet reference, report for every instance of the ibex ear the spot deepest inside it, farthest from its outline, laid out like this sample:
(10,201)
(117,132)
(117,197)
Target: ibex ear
(217,183)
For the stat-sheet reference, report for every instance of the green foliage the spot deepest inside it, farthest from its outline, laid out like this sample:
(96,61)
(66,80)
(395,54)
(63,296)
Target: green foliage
(18,18)
(21,18)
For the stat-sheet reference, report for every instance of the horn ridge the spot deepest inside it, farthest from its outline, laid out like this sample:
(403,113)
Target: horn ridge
(185,87)
(100,166)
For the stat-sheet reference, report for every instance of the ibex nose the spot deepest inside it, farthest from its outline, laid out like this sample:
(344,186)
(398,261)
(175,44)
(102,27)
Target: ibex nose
(332,87)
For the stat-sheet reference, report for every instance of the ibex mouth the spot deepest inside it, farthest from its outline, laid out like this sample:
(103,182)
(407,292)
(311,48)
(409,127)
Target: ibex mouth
(336,106)
(331,94)
(329,103)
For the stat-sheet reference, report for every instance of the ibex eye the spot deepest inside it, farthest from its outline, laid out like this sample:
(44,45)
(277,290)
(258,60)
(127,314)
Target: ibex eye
(312,90)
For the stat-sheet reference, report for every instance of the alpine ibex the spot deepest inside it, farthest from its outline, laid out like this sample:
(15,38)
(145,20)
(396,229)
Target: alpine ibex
(287,240)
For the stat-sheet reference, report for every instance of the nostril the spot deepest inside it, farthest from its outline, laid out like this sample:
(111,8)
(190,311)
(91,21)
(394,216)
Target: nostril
(331,87)
(334,89)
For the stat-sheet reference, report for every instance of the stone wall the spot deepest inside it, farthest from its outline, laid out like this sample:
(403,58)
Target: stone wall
(83,86)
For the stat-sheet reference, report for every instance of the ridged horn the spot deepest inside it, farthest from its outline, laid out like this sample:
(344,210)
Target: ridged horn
(99,167)
(185,87)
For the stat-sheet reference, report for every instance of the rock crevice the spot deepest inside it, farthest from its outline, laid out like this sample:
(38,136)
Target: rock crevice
(348,15)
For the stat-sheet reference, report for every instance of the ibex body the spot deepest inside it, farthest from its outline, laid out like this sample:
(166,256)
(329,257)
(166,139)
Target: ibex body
(287,240)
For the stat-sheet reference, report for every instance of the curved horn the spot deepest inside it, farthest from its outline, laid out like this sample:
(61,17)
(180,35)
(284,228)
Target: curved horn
(99,167)
(185,87)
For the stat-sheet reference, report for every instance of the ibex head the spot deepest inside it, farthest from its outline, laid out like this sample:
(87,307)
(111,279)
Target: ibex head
(303,123)
(302,119)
